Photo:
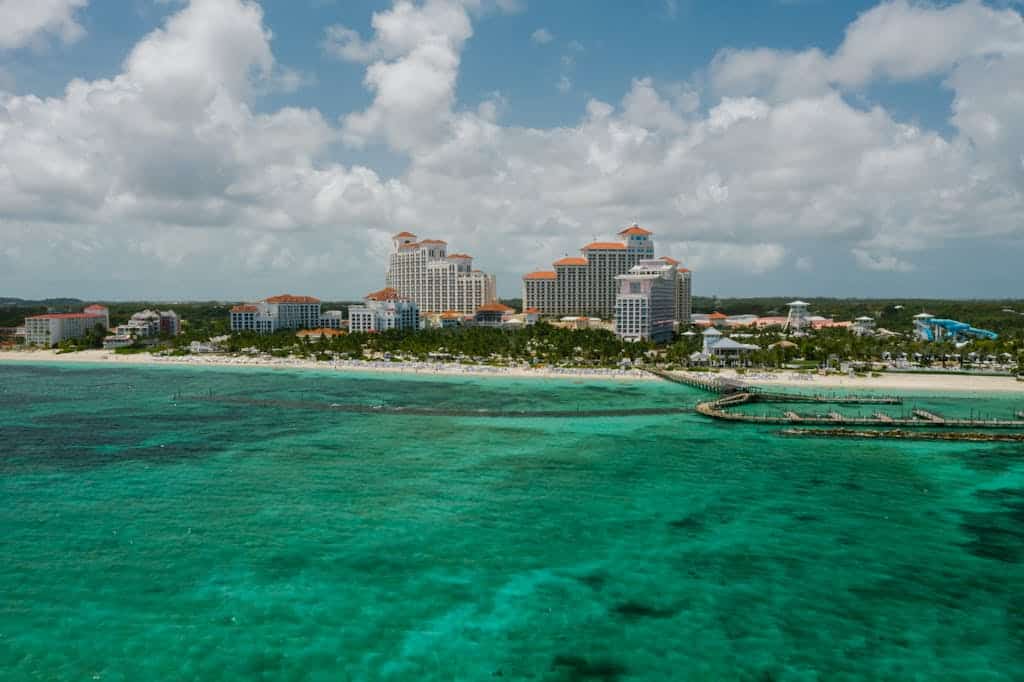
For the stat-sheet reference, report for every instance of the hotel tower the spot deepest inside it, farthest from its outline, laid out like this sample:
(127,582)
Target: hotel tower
(424,272)
(586,285)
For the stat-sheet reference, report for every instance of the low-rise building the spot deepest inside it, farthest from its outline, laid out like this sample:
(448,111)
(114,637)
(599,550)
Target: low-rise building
(279,312)
(493,315)
(645,306)
(52,328)
(383,310)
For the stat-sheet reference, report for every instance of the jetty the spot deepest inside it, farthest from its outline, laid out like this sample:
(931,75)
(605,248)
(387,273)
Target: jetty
(721,409)
(898,434)
(711,383)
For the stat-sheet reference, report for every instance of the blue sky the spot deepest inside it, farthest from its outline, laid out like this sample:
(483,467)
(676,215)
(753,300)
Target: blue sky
(795,147)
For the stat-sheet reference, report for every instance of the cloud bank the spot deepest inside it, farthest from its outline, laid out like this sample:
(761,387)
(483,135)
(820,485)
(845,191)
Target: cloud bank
(166,170)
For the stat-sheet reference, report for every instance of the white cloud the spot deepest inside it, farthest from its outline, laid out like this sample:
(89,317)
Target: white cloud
(24,21)
(881,262)
(166,166)
(542,36)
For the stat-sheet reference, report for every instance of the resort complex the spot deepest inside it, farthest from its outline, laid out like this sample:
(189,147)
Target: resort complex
(283,312)
(383,310)
(51,329)
(423,272)
(587,284)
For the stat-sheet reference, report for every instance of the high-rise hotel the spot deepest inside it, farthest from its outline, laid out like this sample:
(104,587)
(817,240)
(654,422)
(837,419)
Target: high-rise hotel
(424,272)
(586,285)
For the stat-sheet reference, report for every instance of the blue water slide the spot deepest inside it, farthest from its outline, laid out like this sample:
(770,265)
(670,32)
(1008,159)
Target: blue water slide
(956,328)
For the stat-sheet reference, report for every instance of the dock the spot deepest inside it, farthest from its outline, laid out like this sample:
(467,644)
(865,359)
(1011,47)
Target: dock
(897,434)
(711,383)
(720,409)
(928,416)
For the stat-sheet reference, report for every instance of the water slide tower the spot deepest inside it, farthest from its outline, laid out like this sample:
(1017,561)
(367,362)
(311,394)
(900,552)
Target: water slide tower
(796,321)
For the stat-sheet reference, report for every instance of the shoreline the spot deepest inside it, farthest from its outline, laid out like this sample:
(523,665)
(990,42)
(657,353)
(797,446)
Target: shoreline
(423,369)
(930,383)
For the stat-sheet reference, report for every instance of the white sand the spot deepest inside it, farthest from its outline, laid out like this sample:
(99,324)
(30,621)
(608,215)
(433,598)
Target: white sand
(420,368)
(926,383)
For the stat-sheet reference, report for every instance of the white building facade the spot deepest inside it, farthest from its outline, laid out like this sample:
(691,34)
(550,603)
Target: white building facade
(282,312)
(49,330)
(645,306)
(586,285)
(423,272)
(383,310)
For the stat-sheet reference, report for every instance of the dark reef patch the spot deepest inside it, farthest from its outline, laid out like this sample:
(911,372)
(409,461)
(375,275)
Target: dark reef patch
(580,668)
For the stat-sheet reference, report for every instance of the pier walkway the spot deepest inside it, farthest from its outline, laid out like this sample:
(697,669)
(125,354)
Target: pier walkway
(719,409)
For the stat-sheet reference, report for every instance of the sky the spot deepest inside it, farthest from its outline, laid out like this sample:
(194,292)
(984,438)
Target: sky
(233,149)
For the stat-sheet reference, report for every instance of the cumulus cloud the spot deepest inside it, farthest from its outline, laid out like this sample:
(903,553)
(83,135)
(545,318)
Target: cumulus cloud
(166,164)
(542,36)
(25,21)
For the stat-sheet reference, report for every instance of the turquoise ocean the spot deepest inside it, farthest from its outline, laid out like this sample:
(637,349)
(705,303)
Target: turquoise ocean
(175,523)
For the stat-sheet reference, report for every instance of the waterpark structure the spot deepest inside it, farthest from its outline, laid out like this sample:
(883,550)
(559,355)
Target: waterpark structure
(930,328)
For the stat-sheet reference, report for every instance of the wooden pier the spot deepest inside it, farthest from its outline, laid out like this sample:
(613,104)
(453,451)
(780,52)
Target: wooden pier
(897,434)
(711,383)
(720,409)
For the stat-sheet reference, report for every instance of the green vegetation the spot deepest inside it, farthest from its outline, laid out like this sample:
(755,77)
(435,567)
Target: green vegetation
(541,344)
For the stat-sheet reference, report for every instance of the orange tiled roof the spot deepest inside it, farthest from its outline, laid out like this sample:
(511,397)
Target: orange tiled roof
(288,298)
(433,241)
(532,310)
(387,294)
(320,332)
(459,255)
(717,316)
(244,309)
(604,246)
(637,230)
(403,234)
(495,308)
(669,260)
(571,261)
(541,274)
(451,315)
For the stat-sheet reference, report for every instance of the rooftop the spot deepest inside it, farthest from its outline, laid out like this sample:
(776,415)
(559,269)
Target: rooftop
(459,255)
(387,294)
(65,316)
(289,298)
(247,308)
(570,261)
(495,308)
(541,274)
(604,246)
(635,229)
(433,241)
(404,235)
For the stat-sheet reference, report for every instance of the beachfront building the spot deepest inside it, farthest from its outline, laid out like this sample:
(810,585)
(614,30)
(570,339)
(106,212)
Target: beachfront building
(720,349)
(283,312)
(383,310)
(145,324)
(585,285)
(50,329)
(493,315)
(645,306)
(422,271)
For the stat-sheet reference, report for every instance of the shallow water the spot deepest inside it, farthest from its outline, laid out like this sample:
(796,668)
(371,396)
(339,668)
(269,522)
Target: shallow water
(150,535)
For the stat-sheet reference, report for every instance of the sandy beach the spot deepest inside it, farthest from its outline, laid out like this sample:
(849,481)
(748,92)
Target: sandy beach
(925,383)
(418,368)
(928,383)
